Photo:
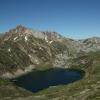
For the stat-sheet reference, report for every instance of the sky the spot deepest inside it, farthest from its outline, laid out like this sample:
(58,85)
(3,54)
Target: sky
(77,19)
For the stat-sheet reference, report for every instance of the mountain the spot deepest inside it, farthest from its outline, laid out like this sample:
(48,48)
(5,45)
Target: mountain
(91,44)
(23,50)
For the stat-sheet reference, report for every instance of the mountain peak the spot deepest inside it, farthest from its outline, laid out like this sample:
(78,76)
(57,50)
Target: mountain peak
(20,27)
(21,30)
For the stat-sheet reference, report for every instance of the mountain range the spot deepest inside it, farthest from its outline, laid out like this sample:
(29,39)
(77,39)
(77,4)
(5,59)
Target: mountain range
(23,50)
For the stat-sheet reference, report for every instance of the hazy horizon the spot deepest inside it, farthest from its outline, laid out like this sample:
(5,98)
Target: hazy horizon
(77,19)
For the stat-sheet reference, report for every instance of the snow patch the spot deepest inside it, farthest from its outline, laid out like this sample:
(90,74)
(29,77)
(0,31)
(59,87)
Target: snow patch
(30,56)
(9,50)
(36,61)
(46,39)
(40,48)
(26,38)
(50,42)
(15,38)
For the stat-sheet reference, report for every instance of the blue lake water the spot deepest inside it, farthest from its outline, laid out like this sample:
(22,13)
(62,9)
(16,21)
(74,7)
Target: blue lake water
(39,80)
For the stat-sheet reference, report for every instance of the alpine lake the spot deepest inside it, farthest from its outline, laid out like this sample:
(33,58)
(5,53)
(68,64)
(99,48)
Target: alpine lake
(41,79)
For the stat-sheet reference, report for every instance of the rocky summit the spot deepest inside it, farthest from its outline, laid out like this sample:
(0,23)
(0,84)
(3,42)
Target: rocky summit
(23,50)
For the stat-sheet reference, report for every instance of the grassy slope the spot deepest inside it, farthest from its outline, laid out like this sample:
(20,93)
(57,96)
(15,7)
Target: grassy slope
(85,89)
